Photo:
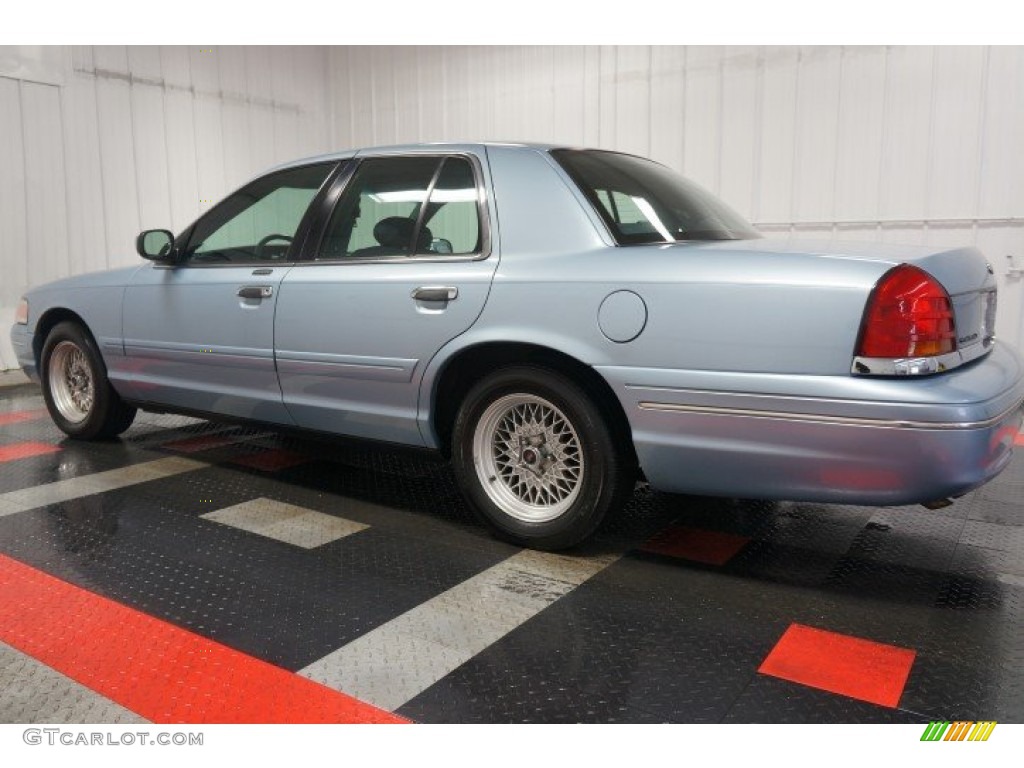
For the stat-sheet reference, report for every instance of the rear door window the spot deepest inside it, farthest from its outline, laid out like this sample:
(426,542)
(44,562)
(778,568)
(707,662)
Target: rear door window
(406,206)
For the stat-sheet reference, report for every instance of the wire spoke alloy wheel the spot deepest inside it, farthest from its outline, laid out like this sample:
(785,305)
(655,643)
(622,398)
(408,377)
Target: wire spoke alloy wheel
(72,382)
(528,457)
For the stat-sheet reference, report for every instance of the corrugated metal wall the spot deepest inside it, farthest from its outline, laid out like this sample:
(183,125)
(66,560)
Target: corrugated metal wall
(900,144)
(97,143)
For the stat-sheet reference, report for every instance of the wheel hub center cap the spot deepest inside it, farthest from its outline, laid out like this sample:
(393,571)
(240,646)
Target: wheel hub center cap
(534,455)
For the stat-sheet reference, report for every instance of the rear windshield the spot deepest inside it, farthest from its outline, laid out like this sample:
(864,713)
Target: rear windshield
(644,202)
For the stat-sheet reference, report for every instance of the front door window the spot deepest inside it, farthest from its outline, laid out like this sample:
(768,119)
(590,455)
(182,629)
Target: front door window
(257,223)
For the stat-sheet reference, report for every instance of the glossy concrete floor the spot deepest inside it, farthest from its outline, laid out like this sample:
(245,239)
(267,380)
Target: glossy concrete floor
(194,572)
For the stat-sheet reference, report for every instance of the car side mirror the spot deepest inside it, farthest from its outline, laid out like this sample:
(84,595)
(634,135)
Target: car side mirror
(155,245)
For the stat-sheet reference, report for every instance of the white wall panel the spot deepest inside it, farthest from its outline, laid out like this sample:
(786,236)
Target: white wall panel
(259,82)
(45,201)
(175,66)
(568,93)
(235,120)
(1001,165)
(777,140)
(310,98)
(87,236)
(144,63)
(13,223)
(382,80)
(82,58)
(906,141)
(182,168)
(132,137)
(607,71)
(516,116)
(702,127)
(149,139)
(859,138)
(235,115)
(430,75)
(668,104)
(499,117)
(284,114)
(956,120)
(632,87)
(204,69)
(110,59)
(740,126)
(469,81)
(817,128)
(362,104)
(117,168)
(409,120)
(591,101)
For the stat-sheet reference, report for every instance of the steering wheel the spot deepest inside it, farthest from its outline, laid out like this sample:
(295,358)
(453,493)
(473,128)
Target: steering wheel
(268,239)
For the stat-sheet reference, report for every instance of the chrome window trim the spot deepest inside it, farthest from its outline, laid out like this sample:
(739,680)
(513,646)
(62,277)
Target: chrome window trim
(436,258)
(236,265)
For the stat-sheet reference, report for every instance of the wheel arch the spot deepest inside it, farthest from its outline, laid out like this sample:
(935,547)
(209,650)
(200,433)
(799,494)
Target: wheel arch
(455,376)
(46,323)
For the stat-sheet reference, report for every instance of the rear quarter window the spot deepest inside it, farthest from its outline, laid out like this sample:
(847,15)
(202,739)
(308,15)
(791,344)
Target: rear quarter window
(644,202)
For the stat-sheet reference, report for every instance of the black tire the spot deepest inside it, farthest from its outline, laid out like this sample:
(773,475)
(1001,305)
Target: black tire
(539,463)
(70,349)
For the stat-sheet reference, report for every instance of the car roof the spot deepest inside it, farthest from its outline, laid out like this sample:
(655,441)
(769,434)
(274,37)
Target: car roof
(397,148)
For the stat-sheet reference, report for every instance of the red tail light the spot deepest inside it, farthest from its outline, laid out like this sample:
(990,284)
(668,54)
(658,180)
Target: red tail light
(909,314)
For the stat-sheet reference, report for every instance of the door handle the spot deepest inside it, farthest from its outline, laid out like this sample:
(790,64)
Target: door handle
(435,293)
(256,291)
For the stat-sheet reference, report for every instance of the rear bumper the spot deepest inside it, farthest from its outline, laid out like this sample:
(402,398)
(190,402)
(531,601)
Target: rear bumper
(825,439)
(21,339)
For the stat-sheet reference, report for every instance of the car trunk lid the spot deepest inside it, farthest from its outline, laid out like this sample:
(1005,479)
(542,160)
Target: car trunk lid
(964,272)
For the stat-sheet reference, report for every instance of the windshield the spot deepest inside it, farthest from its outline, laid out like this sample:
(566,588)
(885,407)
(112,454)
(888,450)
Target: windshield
(644,202)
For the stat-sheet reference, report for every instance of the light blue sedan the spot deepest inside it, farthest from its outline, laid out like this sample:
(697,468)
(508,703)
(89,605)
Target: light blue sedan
(560,322)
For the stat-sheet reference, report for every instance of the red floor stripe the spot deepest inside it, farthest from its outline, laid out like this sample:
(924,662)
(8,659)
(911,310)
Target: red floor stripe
(157,670)
(15,417)
(850,666)
(697,544)
(271,461)
(25,450)
(1019,439)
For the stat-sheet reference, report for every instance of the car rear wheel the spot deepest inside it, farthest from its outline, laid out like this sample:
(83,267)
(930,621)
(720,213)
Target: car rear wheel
(78,395)
(535,458)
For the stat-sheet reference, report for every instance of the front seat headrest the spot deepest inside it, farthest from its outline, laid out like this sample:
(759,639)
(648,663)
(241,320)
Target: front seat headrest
(396,232)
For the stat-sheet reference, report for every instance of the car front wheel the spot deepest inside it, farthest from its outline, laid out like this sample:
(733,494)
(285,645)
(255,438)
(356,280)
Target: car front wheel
(535,458)
(78,395)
